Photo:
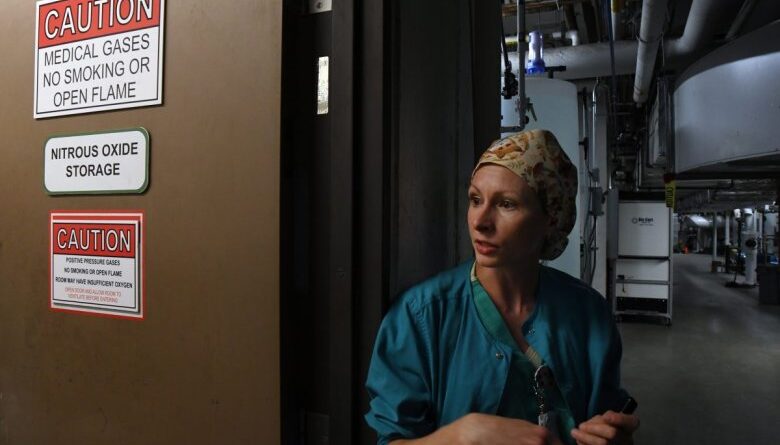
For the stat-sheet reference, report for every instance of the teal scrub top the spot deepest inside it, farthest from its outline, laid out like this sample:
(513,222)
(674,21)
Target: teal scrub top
(519,400)
(434,360)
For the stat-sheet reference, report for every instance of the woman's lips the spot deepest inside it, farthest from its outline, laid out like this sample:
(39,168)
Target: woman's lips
(485,248)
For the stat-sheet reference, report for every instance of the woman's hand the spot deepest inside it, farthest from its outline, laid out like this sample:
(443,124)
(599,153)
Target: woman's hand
(485,429)
(608,428)
(478,429)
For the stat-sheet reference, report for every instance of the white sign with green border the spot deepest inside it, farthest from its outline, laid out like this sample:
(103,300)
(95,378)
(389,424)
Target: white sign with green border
(105,162)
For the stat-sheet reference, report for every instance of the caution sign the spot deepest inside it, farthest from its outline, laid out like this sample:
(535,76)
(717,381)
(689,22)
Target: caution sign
(97,263)
(95,55)
(114,161)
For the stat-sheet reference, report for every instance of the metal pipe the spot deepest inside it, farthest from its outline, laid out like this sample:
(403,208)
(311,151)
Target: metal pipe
(617,24)
(574,36)
(727,233)
(587,61)
(509,9)
(599,122)
(742,15)
(650,32)
(521,47)
(701,25)
(613,98)
(763,238)
(592,60)
(698,239)
(714,236)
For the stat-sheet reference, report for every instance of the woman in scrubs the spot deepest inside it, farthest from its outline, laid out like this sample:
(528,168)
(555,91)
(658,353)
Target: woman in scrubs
(501,349)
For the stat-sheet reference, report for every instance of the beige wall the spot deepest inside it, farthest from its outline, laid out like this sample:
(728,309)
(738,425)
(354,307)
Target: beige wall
(203,367)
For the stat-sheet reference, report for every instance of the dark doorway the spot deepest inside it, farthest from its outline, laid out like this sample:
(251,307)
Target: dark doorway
(373,192)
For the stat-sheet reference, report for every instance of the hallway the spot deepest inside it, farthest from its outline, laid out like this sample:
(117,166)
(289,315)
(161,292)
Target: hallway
(713,377)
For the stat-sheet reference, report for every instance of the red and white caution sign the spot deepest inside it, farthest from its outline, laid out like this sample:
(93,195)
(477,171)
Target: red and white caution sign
(97,262)
(94,55)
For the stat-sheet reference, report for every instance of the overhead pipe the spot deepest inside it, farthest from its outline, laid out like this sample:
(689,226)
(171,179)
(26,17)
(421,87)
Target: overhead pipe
(704,20)
(521,65)
(650,33)
(574,36)
(714,237)
(617,25)
(702,23)
(742,15)
(571,34)
(593,60)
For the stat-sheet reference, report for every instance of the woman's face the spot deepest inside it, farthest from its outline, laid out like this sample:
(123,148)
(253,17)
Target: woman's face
(506,221)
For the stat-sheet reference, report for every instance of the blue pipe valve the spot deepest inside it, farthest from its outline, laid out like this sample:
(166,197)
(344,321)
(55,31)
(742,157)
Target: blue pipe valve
(535,64)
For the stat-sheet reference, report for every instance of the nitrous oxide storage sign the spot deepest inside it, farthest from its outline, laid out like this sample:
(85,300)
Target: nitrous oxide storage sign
(97,263)
(113,161)
(95,55)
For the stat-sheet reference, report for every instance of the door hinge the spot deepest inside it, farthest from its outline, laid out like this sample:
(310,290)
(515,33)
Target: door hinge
(317,6)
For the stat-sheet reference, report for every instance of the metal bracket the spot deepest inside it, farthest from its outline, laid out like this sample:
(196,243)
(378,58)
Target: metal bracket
(317,6)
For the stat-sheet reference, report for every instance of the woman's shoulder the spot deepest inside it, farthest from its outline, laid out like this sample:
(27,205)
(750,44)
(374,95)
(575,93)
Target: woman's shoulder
(445,287)
(570,302)
(574,291)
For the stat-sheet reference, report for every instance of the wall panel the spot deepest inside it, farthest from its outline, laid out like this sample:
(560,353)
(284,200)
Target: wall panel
(203,366)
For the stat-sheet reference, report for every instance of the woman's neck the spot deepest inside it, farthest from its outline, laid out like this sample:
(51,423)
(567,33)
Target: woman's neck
(512,288)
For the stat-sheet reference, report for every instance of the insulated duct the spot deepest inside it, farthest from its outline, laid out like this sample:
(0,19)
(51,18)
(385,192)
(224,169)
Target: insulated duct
(650,33)
(704,18)
(588,61)
(593,60)
(744,12)
(617,24)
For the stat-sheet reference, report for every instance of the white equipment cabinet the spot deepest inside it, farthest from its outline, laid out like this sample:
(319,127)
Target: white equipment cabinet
(643,269)
(555,105)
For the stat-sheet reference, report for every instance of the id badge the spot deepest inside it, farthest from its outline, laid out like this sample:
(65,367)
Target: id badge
(549,420)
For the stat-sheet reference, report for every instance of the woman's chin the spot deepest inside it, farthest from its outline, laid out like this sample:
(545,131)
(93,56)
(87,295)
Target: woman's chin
(495,261)
(487,260)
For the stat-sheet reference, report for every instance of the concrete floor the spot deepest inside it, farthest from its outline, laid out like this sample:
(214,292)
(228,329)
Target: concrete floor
(713,377)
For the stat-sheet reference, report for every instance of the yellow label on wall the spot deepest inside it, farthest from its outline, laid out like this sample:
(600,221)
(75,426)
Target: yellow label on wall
(670,188)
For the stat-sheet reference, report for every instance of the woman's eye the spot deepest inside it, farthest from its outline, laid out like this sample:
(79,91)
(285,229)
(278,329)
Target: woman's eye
(507,204)
(474,200)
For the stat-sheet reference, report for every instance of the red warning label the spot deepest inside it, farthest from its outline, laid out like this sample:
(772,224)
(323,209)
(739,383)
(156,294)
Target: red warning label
(97,263)
(117,240)
(97,55)
(66,21)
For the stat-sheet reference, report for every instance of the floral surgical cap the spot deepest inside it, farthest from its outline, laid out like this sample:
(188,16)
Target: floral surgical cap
(537,157)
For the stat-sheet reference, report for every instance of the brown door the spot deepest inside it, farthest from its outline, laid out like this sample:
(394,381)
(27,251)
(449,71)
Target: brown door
(203,366)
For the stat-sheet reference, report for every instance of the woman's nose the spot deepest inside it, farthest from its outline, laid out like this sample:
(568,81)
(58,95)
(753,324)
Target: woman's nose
(483,219)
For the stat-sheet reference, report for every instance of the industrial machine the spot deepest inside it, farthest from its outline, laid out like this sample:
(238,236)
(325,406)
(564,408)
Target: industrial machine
(750,247)
(642,271)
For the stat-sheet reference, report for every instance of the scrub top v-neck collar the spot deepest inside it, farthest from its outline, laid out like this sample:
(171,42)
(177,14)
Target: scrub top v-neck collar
(493,321)
(518,400)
